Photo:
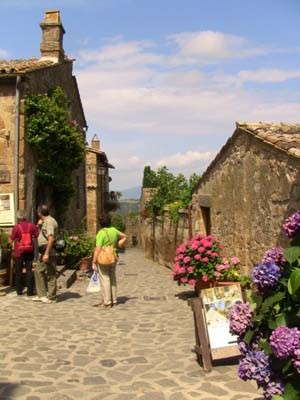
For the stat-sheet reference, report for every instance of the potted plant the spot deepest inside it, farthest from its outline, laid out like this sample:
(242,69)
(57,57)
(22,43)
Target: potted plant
(200,263)
(268,326)
(79,248)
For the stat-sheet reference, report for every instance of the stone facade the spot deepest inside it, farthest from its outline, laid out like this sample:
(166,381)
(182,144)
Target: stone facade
(19,78)
(243,197)
(249,189)
(97,185)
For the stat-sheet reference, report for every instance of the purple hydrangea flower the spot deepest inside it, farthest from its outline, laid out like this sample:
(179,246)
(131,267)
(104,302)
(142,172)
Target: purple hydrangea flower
(274,255)
(240,316)
(266,275)
(273,388)
(255,365)
(291,225)
(284,341)
(296,360)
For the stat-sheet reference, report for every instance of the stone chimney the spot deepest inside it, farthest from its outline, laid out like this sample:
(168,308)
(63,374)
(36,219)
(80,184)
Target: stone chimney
(95,143)
(52,39)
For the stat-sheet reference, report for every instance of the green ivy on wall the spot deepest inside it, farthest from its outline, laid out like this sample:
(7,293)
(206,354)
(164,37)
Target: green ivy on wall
(56,141)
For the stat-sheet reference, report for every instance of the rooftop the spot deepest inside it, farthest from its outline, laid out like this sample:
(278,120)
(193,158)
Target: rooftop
(23,66)
(283,136)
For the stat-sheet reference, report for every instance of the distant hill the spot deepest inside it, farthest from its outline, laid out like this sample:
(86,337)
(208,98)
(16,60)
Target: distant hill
(131,193)
(128,206)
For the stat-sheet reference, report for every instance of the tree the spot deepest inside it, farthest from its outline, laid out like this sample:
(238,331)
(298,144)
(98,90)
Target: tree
(149,178)
(172,191)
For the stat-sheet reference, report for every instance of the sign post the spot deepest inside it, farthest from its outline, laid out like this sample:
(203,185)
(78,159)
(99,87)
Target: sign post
(213,339)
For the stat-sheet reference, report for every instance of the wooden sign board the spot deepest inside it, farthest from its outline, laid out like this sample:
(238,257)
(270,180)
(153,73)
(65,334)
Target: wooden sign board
(213,339)
(7,209)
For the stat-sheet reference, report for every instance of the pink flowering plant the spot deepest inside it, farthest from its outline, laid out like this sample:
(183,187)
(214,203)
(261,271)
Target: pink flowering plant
(268,327)
(201,258)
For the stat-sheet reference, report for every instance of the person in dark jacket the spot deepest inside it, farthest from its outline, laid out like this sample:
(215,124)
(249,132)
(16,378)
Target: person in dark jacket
(24,259)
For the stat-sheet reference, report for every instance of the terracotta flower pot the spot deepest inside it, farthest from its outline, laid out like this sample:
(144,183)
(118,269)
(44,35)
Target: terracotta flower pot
(199,285)
(85,264)
(224,283)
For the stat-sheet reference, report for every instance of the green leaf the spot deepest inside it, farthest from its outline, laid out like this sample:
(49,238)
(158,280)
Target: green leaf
(292,391)
(253,299)
(286,367)
(280,320)
(277,398)
(294,282)
(291,254)
(271,301)
(248,336)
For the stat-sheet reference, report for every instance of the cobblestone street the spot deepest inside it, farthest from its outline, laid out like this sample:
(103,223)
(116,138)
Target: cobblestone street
(141,349)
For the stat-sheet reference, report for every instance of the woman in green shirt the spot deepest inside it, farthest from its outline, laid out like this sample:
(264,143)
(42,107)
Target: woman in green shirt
(107,235)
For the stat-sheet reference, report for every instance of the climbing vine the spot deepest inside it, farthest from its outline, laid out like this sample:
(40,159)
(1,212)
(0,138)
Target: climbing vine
(56,141)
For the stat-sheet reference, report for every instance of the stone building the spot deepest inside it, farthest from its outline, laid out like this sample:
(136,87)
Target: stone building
(248,190)
(19,78)
(99,199)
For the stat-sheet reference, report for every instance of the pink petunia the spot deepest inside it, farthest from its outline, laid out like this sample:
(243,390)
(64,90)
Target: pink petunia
(214,254)
(204,278)
(197,257)
(184,279)
(217,274)
(209,253)
(187,259)
(192,282)
(201,249)
(219,267)
(205,259)
(190,269)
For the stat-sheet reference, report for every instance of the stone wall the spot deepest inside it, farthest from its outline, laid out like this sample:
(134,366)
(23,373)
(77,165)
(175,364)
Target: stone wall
(161,236)
(7,128)
(37,82)
(247,193)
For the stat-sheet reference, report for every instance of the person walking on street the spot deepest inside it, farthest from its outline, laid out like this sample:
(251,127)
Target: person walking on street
(45,270)
(23,237)
(107,235)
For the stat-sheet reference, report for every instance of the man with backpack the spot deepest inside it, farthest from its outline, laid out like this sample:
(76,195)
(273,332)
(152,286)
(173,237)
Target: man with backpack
(45,270)
(24,235)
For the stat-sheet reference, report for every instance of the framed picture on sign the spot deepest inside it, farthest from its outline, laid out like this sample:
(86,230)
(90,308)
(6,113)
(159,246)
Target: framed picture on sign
(216,303)
(7,209)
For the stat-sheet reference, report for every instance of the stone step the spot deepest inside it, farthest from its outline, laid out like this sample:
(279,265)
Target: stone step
(66,278)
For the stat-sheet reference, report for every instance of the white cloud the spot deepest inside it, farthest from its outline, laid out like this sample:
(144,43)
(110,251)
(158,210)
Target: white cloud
(186,159)
(211,47)
(267,75)
(3,54)
(132,88)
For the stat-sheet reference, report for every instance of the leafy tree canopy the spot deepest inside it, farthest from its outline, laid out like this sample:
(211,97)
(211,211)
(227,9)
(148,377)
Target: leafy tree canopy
(174,191)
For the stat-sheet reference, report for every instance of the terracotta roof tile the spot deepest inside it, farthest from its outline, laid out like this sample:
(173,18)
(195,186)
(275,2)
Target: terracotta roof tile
(22,66)
(283,136)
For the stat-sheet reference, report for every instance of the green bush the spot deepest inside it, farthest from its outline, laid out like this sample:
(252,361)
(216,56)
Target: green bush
(118,222)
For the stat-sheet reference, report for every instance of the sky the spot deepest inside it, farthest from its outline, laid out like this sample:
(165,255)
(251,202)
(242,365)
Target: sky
(163,82)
